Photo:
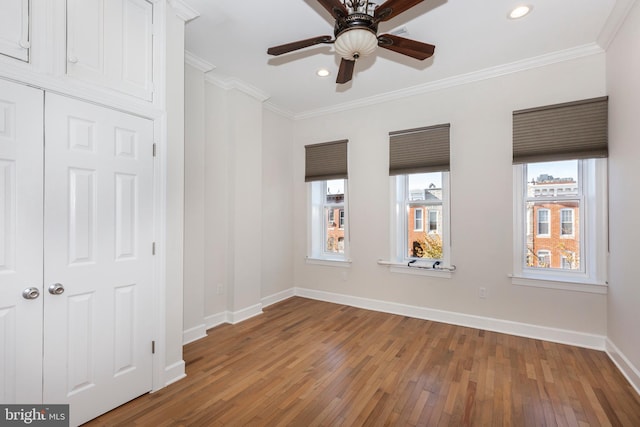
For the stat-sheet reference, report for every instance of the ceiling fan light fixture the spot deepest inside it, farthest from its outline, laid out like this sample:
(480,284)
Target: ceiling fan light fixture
(520,12)
(356,43)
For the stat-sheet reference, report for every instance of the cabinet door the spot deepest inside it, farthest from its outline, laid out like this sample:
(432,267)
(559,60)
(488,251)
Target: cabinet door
(21,231)
(109,43)
(14,28)
(98,247)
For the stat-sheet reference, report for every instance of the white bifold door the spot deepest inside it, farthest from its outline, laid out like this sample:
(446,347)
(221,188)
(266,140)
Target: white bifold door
(77,302)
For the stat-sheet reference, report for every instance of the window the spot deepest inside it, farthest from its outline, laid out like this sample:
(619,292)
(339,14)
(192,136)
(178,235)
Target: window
(433,221)
(544,259)
(326,173)
(416,194)
(417,219)
(543,222)
(566,222)
(560,195)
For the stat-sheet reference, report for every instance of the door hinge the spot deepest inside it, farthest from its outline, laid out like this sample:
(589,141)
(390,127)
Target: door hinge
(153,248)
(154,149)
(153,347)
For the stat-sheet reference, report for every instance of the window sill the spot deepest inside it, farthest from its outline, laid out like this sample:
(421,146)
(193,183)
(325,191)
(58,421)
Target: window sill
(417,271)
(344,263)
(536,282)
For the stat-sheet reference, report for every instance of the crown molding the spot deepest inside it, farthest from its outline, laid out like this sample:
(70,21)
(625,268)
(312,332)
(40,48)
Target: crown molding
(280,111)
(476,76)
(233,83)
(183,10)
(615,20)
(197,62)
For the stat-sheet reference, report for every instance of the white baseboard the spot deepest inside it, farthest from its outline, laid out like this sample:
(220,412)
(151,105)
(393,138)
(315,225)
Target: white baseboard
(245,313)
(174,372)
(630,372)
(280,296)
(194,334)
(562,336)
(216,319)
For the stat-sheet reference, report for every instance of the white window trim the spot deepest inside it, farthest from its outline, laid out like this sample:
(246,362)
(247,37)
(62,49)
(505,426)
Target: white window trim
(398,225)
(593,232)
(316,191)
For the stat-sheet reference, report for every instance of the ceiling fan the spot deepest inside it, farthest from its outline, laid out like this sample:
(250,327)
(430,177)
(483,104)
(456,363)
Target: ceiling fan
(356,33)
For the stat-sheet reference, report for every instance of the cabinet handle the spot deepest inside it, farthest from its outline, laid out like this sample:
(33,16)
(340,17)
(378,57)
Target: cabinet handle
(24,44)
(73,59)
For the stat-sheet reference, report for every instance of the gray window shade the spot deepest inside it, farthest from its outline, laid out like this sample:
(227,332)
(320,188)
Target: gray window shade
(419,150)
(574,130)
(326,161)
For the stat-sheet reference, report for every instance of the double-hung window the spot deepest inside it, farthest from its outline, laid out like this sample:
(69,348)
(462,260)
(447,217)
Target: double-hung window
(326,175)
(560,195)
(419,173)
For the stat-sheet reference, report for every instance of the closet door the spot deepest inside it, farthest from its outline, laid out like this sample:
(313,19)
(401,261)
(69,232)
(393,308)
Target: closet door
(20,243)
(98,256)
(14,28)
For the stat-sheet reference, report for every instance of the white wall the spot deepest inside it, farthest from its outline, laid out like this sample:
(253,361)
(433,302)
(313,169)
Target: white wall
(194,200)
(481,198)
(623,69)
(277,204)
(174,365)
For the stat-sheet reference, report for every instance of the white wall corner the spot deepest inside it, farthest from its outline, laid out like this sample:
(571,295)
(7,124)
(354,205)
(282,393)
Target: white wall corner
(614,22)
(245,313)
(197,62)
(194,334)
(217,319)
(277,297)
(233,83)
(563,336)
(630,372)
(174,373)
(183,10)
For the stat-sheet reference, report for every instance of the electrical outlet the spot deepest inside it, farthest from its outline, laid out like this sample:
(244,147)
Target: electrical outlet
(482,292)
(220,289)
(344,276)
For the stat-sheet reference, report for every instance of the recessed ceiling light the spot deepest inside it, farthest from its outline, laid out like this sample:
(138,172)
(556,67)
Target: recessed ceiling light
(323,72)
(520,11)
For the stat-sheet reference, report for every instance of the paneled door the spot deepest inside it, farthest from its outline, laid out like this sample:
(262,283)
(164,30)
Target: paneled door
(21,293)
(98,234)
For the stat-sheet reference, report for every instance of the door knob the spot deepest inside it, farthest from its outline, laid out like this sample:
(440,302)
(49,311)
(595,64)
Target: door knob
(56,289)
(30,293)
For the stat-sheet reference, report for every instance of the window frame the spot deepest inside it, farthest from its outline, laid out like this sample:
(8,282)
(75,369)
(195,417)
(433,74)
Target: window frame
(592,277)
(400,201)
(317,225)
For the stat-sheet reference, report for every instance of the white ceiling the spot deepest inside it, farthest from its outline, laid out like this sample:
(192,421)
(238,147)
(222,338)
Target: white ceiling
(472,37)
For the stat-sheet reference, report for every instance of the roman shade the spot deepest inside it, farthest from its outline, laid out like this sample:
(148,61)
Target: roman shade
(419,150)
(325,161)
(573,130)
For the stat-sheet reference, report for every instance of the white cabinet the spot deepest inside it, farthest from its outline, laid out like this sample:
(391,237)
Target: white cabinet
(110,44)
(14,29)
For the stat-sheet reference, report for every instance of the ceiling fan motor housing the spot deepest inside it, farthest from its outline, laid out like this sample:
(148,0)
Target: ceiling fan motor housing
(351,44)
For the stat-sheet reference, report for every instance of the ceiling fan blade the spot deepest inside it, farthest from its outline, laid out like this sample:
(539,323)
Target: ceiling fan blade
(391,8)
(412,48)
(290,47)
(335,8)
(345,73)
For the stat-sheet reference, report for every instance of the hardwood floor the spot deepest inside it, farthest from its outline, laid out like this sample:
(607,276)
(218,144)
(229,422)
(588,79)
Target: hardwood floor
(310,363)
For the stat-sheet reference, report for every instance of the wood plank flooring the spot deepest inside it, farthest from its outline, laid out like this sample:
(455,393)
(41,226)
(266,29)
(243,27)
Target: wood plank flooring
(309,363)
